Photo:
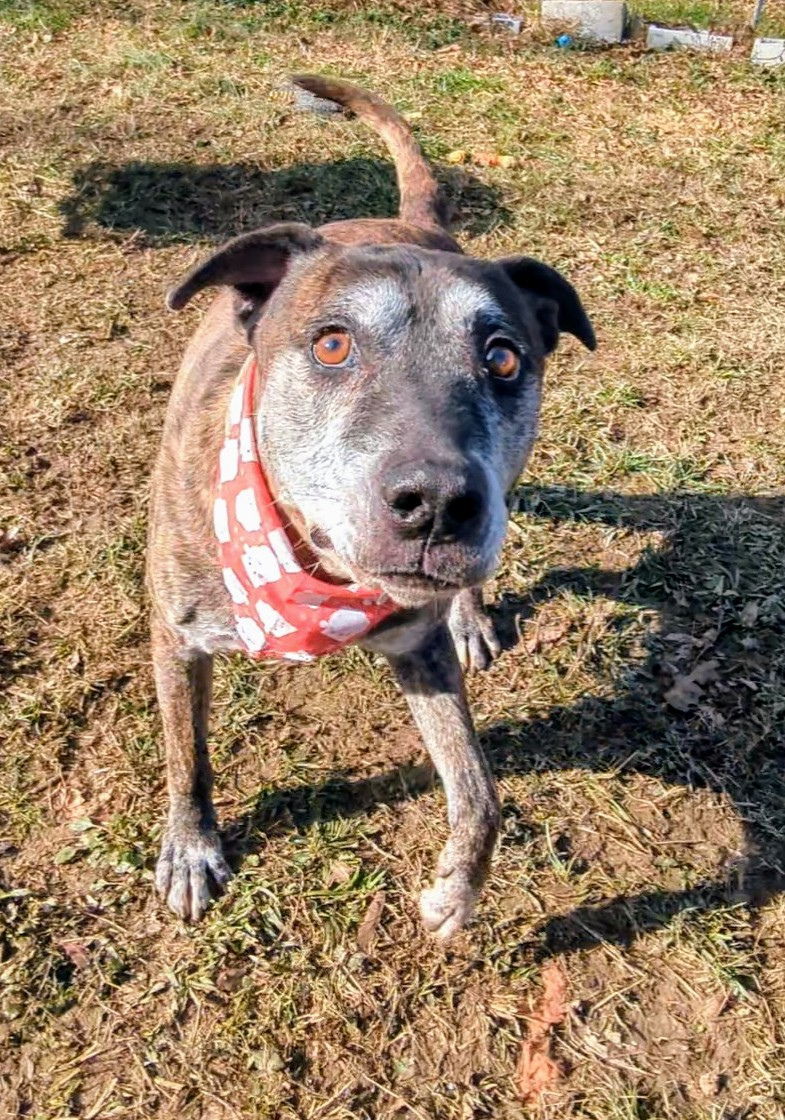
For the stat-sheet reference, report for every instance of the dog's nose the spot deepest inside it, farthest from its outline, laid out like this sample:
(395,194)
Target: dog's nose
(442,501)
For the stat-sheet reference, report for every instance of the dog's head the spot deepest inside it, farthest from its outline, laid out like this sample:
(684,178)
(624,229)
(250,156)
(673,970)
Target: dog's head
(399,398)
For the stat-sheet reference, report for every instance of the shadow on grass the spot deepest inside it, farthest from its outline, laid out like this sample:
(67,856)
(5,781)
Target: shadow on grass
(719,583)
(171,203)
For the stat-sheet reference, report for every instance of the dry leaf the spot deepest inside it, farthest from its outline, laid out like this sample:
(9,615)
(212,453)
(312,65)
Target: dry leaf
(77,953)
(710,1084)
(338,873)
(493,159)
(749,614)
(536,1068)
(546,636)
(366,934)
(686,690)
(72,802)
(458,156)
(705,672)
(683,694)
(229,979)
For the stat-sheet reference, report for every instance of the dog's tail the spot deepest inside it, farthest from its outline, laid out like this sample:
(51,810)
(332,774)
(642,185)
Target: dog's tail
(421,200)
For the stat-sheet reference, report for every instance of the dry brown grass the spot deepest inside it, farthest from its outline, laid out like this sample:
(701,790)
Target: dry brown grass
(643,845)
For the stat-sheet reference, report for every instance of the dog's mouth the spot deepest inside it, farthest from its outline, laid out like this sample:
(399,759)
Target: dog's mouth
(414,587)
(393,581)
(416,580)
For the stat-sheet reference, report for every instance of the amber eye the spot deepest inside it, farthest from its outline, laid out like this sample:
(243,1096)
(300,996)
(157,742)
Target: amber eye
(501,360)
(333,348)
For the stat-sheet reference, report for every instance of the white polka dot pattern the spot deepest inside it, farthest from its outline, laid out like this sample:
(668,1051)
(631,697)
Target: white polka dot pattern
(247,511)
(234,587)
(229,460)
(251,634)
(281,611)
(221,521)
(344,624)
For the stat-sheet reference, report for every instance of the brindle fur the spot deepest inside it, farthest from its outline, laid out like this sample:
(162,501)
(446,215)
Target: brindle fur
(332,445)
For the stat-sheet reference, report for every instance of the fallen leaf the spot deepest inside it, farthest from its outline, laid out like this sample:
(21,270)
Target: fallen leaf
(494,159)
(710,1084)
(458,156)
(65,855)
(705,672)
(76,951)
(686,690)
(73,802)
(683,694)
(338,872)
(536,1068)
(546,636)
(229,979)
(366,934)
(749,614)
(84,824)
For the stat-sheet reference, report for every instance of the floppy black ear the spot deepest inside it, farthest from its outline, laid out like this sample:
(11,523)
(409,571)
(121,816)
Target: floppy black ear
(557,304)
(253,264)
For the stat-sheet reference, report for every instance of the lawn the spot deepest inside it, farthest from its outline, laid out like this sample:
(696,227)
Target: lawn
(635,720)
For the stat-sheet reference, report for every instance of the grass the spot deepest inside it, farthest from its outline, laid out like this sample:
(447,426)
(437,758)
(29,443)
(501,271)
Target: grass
(642,847)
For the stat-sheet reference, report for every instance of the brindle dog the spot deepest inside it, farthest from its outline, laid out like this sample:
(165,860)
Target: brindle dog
(391,470)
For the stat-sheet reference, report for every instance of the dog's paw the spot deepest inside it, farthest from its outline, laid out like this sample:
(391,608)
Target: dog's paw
(473,633)
(191,872)
(447,906)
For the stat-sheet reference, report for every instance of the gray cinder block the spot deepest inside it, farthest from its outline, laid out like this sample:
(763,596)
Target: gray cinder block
(768,52)
(660,38)
(603,20)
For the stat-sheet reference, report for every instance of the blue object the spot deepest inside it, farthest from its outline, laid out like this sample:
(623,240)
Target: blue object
(564,41)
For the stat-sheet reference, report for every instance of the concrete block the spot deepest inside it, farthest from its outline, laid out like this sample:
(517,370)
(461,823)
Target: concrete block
(768,52)
(603,20)
(661,38)
(513,24)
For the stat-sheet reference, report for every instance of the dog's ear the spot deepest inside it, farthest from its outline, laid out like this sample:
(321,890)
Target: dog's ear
(557,304)
(253,264)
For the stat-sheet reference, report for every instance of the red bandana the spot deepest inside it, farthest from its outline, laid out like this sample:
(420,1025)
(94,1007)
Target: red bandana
(281,611)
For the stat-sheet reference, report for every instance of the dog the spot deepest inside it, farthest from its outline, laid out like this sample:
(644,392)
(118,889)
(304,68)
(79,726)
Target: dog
(337,450)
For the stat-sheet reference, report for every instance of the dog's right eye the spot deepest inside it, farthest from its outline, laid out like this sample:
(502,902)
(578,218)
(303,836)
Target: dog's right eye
(332,348)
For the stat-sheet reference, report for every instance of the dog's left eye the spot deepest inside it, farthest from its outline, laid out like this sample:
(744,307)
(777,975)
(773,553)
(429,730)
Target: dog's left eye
(502,360)
(332,348)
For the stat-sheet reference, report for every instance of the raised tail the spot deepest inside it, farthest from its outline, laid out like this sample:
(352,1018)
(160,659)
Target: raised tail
(421,201)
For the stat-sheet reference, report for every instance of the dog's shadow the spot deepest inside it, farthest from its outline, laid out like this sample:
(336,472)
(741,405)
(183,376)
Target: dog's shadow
(170,203)
(718,580)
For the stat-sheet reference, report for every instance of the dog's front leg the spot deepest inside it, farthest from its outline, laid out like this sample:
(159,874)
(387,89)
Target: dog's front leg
(431,680)
(191,868)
